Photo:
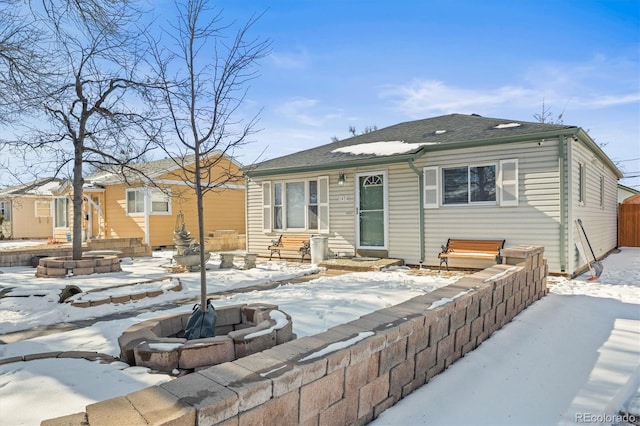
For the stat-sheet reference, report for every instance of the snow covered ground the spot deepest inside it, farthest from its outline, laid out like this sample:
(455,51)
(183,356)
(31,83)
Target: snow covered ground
(572,356)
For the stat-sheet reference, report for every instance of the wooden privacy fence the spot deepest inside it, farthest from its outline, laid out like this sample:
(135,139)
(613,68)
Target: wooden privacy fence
(629,225)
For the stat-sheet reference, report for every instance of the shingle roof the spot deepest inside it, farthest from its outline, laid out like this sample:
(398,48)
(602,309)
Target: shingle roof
(442,130)
(150,169)
(38,187)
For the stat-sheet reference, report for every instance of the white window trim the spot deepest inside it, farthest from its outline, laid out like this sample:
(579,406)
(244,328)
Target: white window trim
(503,183)
(6,205)
(55,221)
(267,210)
(48,208)
(267,205)
(582,184)
(602,192)
(147,201)
(469,202)
(431,187)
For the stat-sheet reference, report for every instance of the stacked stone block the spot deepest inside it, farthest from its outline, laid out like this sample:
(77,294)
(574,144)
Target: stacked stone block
(130,247)
(51,267)
(224,240)
(391,353)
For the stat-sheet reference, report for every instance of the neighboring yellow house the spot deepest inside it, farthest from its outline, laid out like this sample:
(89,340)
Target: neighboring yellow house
(27,210)
(148,206)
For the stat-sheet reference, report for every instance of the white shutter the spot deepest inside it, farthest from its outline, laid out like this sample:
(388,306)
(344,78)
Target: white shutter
(431,189)
(508,183)
(323,204)
(266,206)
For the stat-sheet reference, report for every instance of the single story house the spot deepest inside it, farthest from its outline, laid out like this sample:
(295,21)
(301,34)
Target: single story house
(625,192)
(27,210)
(404,190)
(148,207)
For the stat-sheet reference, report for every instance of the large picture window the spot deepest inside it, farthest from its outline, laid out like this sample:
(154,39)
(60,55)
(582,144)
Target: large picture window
(61,210)
(296,205)
(469,184)
(160,201)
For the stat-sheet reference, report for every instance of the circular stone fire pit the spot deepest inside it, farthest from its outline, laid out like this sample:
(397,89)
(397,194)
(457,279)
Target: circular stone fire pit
(241,330)
(50,267)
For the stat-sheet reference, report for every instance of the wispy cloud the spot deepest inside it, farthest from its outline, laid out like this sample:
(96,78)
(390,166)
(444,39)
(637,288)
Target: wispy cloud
(290,60)
(307,112)
(599,83)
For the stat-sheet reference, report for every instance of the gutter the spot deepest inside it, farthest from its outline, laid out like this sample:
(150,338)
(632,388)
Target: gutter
(563,209)
(420,208)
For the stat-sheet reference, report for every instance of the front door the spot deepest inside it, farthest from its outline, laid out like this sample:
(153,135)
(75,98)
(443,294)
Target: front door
(371,205)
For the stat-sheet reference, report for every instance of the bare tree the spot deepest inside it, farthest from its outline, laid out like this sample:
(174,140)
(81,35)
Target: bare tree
(21,61)
(90,94)
(203,82)
(546,116)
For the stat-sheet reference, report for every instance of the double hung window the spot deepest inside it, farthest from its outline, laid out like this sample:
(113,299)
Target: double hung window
(160,201)
(61,211)
(490,184)
(296,205)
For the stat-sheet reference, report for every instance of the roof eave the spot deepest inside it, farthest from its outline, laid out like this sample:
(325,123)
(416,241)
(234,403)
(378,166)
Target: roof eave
(332,166)
(413,156)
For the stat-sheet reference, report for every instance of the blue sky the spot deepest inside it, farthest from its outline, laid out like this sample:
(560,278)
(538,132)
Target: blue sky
(336,64)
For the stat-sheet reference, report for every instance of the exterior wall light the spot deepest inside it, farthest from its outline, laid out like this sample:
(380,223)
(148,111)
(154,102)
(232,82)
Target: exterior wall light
(341,179)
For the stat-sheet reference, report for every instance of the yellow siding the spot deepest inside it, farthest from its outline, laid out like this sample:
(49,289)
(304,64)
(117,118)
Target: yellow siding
(25,223)
(224,208)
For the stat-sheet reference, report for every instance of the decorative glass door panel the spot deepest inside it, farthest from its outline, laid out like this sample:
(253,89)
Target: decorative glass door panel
(371,204)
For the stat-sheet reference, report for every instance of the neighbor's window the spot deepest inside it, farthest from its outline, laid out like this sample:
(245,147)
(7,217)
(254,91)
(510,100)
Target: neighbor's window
(61,212)
(469,184)
(5,210)
(160,201)
(43,208)
(296,205)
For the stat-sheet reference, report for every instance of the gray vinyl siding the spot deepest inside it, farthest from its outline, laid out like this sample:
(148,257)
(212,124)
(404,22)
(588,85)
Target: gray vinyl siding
(535,221)
(341,216)
(600,222)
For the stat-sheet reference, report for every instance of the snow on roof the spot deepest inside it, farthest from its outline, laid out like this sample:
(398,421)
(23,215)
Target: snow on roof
(380,148)
(440,132)
(507,125)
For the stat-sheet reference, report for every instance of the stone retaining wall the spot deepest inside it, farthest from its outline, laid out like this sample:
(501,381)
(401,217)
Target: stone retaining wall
(348,374)
(51,267)
(24,257)
(224,240)
(241,330)
(130,247)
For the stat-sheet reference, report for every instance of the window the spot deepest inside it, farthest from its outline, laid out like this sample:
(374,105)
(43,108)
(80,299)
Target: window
(464,185)
(61,212)
(469,184)
(5,210)
(160,201)
(301,205)
(582,172)
(43,208)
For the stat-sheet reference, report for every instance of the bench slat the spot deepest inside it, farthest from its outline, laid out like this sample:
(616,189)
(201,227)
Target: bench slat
(297,243)
(471,249)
